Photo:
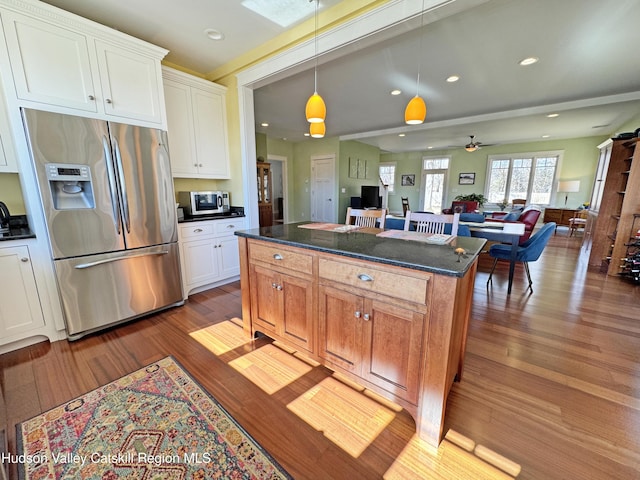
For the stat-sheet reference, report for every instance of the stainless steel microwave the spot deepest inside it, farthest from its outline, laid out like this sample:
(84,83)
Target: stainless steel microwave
(204,203)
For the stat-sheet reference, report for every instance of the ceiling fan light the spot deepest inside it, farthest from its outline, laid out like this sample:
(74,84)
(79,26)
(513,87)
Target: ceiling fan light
(317,130)
(315,110)
(416,111)
(471,147)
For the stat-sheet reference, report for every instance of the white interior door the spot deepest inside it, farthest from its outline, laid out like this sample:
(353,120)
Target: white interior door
(433,185)
(323,189)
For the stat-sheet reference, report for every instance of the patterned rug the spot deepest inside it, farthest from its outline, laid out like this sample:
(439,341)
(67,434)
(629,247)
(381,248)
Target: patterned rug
(156,423)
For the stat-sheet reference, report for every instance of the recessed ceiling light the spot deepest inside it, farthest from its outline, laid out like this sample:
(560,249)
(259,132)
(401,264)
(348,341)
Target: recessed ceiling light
(429,147)
(553,115)
(306,134)
(214,34)
(528,61)
(264,124)
(546,136)
(453,78)
(401,134)
(396,92)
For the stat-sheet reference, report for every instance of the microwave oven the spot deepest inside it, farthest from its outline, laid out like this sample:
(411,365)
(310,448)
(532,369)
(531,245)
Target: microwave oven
(204,203)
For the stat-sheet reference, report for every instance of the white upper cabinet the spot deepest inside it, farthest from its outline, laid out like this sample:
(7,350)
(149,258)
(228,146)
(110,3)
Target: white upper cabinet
(197,126)
(8,160)
(65,63)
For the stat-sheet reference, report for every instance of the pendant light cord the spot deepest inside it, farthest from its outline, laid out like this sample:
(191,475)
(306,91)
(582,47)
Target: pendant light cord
(420,51)
(315,70)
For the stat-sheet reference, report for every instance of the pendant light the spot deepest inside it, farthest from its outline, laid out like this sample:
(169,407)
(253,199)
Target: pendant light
(317,130)
(416,110)
(316,111)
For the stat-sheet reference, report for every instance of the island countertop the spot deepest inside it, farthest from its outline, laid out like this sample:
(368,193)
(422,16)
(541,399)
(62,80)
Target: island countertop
(439,259)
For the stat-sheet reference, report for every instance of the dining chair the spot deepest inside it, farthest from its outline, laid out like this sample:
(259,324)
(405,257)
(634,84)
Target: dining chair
(579,220)
(366,218)
(529,251)
(431,223)
(405,205)
(518,201)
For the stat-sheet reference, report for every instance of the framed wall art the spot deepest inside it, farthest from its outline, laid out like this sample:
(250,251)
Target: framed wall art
(467,179)
(408,180)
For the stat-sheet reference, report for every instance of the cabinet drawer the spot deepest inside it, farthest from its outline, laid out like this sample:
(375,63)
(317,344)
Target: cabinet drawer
(375,279)
(227,227)
(197,230)
(281,257)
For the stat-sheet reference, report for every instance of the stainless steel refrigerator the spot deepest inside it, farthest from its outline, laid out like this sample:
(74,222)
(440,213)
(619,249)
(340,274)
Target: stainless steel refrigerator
(108,201)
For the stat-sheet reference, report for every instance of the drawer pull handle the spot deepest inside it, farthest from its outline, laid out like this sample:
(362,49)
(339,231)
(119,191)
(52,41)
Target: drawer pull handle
(357,314)
(197,230)
(277,256)
(366,317)
(24,259)
(231,226)
(365,278)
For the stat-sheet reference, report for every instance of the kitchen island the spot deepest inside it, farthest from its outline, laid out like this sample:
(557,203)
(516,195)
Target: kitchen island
(390,314)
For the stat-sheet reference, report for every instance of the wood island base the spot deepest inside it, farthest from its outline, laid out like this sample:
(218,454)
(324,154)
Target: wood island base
(400,332)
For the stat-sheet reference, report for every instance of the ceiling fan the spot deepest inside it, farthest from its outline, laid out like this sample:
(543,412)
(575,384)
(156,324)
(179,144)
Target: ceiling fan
(472,146)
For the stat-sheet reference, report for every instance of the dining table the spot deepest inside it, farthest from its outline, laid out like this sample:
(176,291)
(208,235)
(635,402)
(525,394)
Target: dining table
(503,232)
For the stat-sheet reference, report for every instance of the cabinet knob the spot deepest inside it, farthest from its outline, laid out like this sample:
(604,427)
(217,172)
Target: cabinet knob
(108,100)
(357,314)
(279,287)
(274,285)
(366,317)
(91,97)
(24,259)
(199,164)
(195,164)
(277,256)
(365,278)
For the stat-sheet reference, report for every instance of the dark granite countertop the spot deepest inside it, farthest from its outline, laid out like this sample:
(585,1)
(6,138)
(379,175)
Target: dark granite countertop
(16,233)
(214,216)
(440,259)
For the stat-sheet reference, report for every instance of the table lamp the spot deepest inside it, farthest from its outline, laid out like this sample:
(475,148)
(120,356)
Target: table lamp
(568,186)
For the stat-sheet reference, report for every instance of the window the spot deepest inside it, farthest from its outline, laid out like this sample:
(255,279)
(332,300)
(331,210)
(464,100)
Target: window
(530,176)
(387,172)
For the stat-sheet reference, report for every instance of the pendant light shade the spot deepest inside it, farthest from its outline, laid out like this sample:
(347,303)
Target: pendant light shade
(416,111)
(315,110)
(317,130)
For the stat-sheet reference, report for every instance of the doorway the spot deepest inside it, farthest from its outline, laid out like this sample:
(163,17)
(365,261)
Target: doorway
(279,184)
(432,190)
(323,188)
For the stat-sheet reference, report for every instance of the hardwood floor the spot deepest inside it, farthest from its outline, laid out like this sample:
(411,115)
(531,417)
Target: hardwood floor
(551,385)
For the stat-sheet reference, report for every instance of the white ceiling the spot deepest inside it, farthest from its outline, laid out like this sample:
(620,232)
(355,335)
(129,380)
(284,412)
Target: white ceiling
(588,70)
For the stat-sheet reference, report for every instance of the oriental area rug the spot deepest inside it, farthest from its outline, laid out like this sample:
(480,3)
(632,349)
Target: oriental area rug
(156,423)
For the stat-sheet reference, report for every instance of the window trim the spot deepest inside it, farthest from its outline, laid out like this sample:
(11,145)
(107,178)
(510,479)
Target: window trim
(533,156)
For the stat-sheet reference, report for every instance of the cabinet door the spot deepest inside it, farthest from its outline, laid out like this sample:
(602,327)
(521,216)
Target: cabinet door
(180,130)
(229,256)
(296,325)
(50,64)
(8,161)
(130,84)
(340,328)
(201,262)
(209,121)
(265,299)
(391,348)
(20,309)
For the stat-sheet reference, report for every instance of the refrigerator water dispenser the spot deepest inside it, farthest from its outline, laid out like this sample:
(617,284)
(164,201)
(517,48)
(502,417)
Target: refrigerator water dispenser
(70,186)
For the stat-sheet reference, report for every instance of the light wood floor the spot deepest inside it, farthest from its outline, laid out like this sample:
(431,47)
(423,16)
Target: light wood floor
(551,387)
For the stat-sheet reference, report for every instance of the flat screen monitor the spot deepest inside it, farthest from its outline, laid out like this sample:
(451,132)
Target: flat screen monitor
(370,196)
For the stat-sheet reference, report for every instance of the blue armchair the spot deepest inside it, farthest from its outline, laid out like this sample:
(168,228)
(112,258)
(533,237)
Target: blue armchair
(528,251)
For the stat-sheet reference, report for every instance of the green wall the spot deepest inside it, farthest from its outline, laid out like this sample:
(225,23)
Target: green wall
(11,193)
(352,151)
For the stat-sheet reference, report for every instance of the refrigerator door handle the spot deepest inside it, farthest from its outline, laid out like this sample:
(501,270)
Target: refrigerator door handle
(112,183)
(82,266)
(123,188)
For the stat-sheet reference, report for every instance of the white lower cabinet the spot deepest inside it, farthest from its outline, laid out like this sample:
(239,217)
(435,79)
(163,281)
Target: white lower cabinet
(20,309)
(209,253)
